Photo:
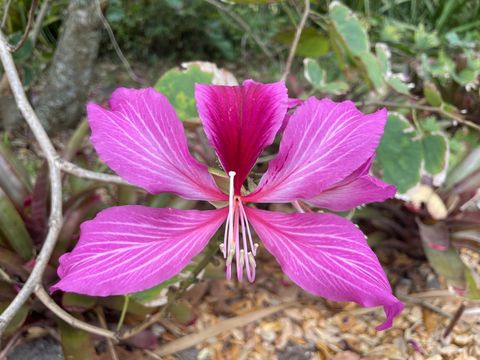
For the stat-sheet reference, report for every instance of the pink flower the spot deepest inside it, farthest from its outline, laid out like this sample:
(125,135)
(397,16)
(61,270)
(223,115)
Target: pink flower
(324,158)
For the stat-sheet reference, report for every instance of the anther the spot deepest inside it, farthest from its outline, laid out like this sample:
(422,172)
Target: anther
(231,253)
(251,260)
(242,258)
(222,248)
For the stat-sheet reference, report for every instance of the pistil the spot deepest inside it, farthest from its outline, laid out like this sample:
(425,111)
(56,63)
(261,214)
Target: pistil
(243,251)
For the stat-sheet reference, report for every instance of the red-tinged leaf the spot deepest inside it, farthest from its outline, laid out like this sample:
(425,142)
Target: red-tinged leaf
(13,228)
(435,236)
(144,340)
(183,312)
(39,206)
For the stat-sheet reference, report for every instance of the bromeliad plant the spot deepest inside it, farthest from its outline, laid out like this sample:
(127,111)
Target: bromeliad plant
(324,159)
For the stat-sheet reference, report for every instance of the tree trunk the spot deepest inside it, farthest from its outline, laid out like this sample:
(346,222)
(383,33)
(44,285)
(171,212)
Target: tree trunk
(62,101)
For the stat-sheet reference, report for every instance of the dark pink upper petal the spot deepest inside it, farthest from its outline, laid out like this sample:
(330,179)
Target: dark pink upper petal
(323,143)
(143,141)
(356,189)
(131,248)
(328,256)
(240,121)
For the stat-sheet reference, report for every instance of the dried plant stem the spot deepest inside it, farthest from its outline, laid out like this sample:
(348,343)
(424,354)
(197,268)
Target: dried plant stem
(296,40)
(438,110)
(103,322)
(69,319)
(37,27)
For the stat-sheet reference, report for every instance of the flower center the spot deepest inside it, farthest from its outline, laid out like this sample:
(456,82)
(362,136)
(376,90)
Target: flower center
(243,250)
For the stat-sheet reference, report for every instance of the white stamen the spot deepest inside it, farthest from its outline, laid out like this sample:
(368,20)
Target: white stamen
(251,260)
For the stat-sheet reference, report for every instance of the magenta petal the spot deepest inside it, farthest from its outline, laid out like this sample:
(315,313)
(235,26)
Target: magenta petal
(356,189)
(131,248)
(240,121)
(143,141)
(328,256)
(322,144)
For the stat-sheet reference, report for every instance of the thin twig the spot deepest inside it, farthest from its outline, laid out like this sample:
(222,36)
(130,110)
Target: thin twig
(243,25)
(103,322)
(31,15)
(434,109)
(296,40)
(114,42)
(456,317)
(76,170)
(37,27)
(6,9)
(69,319)
(56,218)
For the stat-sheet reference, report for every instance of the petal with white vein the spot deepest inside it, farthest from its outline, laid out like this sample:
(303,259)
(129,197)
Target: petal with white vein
(143,141)
(131,248)
(328,256)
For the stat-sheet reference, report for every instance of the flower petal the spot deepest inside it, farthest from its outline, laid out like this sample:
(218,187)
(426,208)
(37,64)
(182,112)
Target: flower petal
(143,141)
(131,248)
(322,144)
(328,256)
(240,121)
(356,189)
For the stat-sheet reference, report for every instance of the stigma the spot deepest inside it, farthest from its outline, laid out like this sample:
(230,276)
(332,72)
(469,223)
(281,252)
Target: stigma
(238,246)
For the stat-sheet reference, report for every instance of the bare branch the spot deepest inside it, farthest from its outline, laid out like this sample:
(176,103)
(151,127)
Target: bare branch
(69,319)
(39,21)
(55,181)
(296,40)
(31,14)
(114,42)
(73,169)
(245,27)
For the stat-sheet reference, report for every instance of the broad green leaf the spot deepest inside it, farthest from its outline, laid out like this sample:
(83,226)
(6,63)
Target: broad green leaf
(432,94)
(25,51)
(76,344)
(178,86)
(13,228)
(430,125)
(373,69)
(312,42)
(399,155)
(398,85)
(350,28)
(336,87)
(435,153)
(383,55)
(473,292)
(313,73)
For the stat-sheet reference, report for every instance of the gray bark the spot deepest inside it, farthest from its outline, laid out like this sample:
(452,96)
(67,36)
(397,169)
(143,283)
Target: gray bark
(62,101)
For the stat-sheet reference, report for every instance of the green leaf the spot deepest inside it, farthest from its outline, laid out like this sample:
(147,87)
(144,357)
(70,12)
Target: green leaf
(77,302)
(349,28)
(399,155)
(425,40)
(13,228)
(18,319)
(473,292)
(336,87)
(448,264)
(312,42)
(178,86)
(435,153)
(76,344)
(25,51)
(383,55)
(313,73)
(432,94)
(373,69)
(398,85)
